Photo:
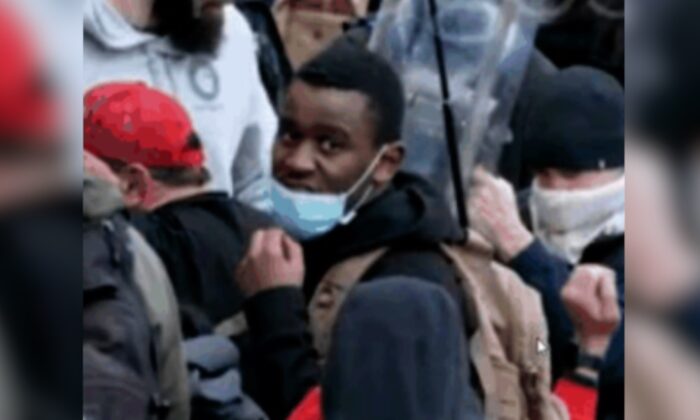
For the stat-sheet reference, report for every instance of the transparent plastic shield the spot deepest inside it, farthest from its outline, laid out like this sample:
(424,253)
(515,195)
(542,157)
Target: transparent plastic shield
(487,46)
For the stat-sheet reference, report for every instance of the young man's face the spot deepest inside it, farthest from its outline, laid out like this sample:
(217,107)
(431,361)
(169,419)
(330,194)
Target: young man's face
(559,179)
(327,141)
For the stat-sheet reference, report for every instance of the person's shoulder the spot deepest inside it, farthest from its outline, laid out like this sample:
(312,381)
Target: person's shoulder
(420,260)
(251,218)
(223,210)
(152,280)
(236,26)
(238,45)
(161,231)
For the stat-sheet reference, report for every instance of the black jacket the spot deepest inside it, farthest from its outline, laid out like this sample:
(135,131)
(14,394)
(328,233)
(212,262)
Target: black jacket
(200,240)
(548,273)
(411,218)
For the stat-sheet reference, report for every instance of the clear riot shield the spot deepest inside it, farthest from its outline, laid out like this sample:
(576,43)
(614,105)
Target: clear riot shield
(487,46)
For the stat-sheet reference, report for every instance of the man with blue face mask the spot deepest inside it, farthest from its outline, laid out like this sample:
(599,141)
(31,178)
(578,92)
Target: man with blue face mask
(338,191)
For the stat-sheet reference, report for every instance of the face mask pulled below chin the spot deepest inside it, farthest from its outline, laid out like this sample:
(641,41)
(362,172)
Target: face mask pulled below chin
(567,222)
(306,215)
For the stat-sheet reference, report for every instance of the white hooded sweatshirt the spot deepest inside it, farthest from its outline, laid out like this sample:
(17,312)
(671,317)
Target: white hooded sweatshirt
(223,94)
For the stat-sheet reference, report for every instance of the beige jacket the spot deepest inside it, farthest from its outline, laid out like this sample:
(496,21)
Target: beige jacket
(515,376)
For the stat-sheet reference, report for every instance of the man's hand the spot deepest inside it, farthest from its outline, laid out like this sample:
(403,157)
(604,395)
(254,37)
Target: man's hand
(590,298)
(493,212)
(273,260)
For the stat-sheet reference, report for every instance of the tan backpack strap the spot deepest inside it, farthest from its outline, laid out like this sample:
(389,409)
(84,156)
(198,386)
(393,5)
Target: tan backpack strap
(331,293)
(515,378)
(472,266)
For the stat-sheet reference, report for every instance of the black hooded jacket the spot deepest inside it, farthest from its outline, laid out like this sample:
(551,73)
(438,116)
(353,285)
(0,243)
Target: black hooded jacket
(417,367)
(411,218)
(200,240)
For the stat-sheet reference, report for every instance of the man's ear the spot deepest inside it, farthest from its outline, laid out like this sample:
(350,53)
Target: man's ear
(135,182)
(389,164)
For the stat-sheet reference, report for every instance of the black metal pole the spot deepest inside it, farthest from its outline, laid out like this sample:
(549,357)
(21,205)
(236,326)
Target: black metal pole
(449,121)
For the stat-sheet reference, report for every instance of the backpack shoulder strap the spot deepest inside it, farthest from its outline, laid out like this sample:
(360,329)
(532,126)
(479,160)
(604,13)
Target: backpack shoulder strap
(115,319)
(331,293)
(474,271)
(504,348)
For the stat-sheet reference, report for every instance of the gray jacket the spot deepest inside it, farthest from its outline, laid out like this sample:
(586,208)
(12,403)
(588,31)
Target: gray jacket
(223,94)
(99,200)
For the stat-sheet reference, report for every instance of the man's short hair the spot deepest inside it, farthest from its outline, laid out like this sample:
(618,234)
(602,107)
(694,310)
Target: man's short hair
(346,65)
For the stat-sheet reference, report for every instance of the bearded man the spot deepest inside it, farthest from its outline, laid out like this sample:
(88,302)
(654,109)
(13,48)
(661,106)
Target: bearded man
(203,53)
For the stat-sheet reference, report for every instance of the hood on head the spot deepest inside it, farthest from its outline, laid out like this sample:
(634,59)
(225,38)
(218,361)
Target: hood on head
(397,352)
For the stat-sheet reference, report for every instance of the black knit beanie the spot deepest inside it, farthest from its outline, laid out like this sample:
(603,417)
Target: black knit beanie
(576,122)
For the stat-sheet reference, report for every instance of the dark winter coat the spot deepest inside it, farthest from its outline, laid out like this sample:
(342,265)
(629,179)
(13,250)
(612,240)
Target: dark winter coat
(412,219)
(201,239)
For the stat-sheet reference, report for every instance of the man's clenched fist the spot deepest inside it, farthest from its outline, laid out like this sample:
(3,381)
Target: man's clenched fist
(590,298)
(493,212)
(273,260)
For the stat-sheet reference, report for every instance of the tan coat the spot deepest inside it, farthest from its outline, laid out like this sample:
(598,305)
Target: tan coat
(516,378)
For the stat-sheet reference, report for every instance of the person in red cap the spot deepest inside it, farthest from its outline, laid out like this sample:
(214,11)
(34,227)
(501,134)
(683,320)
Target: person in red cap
(147,139)
(204,53)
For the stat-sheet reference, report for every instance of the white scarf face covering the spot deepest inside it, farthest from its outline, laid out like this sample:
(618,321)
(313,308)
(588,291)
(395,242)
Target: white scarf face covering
(568,221)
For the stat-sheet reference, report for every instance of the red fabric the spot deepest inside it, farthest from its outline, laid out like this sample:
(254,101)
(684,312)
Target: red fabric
(131,122)
(28,110)
(310,407)
(579,399)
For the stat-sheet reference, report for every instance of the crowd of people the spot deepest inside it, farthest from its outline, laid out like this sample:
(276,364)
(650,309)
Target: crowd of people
(254,248)
(248,259)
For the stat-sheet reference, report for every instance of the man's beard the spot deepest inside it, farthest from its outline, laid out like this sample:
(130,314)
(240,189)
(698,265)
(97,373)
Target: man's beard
(193,34)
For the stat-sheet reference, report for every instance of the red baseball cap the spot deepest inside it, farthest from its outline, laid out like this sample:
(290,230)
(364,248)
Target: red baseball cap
(28,109)
(133,123)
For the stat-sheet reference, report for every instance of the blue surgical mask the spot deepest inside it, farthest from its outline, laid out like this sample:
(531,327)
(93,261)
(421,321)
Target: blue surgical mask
(306,215)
